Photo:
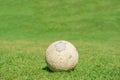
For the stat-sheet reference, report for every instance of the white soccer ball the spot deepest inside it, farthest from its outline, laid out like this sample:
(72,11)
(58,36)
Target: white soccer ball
(61,56)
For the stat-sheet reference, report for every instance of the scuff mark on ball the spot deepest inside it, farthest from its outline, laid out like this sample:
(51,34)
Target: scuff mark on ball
(61,46)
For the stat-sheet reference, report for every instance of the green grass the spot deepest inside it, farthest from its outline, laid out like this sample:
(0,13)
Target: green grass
(28,27)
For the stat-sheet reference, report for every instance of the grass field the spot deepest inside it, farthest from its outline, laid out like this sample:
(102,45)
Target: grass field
(27,27)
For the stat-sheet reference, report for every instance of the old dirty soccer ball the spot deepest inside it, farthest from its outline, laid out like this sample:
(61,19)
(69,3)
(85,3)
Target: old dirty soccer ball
(61,56)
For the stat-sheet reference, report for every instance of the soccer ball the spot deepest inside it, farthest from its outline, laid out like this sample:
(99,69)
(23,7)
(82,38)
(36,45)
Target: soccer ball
(61,56)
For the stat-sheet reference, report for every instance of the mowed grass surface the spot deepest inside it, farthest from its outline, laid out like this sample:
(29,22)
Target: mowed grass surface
(27,27)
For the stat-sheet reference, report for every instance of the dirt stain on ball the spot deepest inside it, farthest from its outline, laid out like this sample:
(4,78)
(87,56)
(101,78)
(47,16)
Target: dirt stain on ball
(70,56)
